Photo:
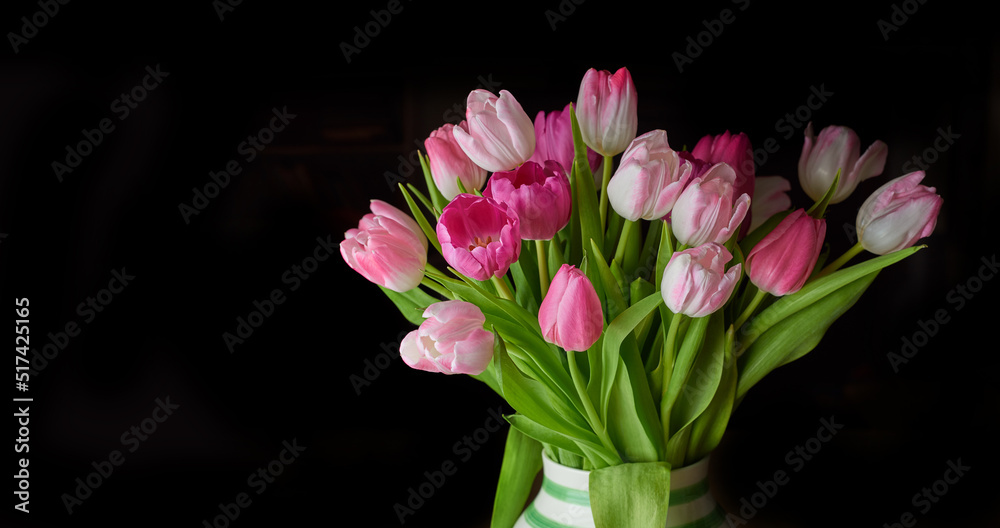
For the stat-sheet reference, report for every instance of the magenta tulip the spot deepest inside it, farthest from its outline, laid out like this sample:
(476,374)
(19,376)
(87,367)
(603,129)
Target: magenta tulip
(539,195)
(387,248)
(706,210)
(570,315)
(782,261)
(497,134)
(770,198)
(554,141)
(898,214)
(449,163)
(479,237)
(606,109)
(735,150)
(696,282)
(649,179)
(451,340)
(837,148)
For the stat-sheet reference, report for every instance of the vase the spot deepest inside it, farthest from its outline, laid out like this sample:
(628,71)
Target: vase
(564,500)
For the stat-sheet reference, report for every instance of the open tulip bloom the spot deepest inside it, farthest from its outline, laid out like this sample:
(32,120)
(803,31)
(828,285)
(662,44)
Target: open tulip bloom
(590,321)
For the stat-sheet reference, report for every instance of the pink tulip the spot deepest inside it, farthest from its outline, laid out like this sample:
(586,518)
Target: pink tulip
(696,282)
(735,150)
(898,214)
(387,248)
(479,237)
(771,197)
(837,148)
(449,163)
(783,260)
(554,141)
(705,211)
(649,179)
(607,110)
(451,340)
(497,135)
(570,315)
(539,195)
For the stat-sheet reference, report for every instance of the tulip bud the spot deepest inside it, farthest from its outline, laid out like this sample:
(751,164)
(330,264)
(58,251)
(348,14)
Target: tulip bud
(649,179)
(606,109)
(570,315)
(696,282)
(451,340)
(736,151)
(554,141)
(837,148)
(705,211)
(898,214)
(782,261)
(539,195)
(770,198)
(479,237)
(497,135)
(387,248)
(449,163)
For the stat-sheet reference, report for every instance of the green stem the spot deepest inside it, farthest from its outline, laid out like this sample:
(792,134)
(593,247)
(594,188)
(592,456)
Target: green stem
(543,266)
(444,292)
(592,417)
(749,311)
(623,241)
(604,192)
(667,366)
(502,288)
(835,265)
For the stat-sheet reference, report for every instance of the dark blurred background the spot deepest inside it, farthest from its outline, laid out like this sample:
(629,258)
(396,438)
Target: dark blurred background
(217,73)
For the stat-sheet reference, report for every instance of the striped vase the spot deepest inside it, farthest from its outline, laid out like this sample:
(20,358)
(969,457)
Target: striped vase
(564,502)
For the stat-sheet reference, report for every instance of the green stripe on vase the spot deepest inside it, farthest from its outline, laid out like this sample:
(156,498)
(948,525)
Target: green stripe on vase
(689,493)
(565,494)
(535,519)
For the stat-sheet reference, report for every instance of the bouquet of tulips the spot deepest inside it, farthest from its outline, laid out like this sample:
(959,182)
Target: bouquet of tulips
(623,313)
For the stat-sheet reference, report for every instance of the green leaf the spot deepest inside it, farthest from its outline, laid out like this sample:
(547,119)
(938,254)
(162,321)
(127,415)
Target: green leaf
(527,290)
(630,495)
(437,198)
(615,301)
(686,354)
(818,210)
(698,386)
(633,418)
(418,215)
(585,196)
(597,454)
(411,303)
(614,336)
(794,336)
(708,429)
(537,402)
(810,293)
(522,460)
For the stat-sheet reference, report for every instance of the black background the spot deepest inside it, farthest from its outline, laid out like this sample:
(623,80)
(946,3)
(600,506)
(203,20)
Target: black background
(162,336)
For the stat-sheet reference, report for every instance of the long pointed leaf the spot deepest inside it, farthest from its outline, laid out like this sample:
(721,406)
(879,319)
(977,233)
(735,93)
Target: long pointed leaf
(522,460)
